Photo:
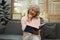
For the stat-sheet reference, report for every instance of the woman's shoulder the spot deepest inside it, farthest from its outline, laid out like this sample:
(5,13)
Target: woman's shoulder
(24,18)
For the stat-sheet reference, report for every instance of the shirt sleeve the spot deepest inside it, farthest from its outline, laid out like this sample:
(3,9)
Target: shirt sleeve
(43,21)
(23,23)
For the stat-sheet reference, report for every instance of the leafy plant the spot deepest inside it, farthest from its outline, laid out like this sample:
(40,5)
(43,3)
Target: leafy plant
(4,12)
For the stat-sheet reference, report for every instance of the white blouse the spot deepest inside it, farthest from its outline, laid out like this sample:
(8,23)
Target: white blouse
(34,23)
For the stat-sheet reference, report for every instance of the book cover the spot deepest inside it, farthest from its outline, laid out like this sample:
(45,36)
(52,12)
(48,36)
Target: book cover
(29,28)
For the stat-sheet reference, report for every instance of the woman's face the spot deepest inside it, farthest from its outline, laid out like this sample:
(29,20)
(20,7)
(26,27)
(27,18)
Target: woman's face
(32,12)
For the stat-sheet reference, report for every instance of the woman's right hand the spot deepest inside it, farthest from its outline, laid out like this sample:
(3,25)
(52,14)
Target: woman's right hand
(35,32)
(30,17)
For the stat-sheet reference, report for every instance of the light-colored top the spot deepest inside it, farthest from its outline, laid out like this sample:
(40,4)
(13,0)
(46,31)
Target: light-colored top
(34,23)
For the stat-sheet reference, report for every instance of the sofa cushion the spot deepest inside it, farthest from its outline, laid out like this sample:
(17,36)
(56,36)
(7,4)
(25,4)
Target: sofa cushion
(48,31)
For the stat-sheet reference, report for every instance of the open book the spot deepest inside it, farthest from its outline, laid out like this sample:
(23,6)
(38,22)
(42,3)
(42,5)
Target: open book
(29,28)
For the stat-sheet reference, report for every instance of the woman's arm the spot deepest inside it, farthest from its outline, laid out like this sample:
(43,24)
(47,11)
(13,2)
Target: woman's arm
(43,21)
(23,23)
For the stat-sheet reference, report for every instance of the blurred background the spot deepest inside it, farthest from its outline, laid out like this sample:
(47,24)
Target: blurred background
(11,12)
(49,9)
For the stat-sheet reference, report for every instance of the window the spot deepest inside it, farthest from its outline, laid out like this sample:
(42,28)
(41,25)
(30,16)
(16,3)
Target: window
(54,10)
(20,8)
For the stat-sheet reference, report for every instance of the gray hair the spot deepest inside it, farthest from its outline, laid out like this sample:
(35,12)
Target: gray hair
(37,8)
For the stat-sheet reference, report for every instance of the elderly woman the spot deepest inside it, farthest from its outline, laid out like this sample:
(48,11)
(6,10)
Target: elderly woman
(33,20)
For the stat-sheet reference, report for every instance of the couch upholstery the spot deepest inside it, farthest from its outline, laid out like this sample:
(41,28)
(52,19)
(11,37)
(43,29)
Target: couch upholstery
(13,28)
(50,30)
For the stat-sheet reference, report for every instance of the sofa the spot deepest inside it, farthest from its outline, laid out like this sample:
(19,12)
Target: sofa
(49,30)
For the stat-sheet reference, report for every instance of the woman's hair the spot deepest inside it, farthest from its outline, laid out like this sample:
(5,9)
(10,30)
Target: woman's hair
(37,8)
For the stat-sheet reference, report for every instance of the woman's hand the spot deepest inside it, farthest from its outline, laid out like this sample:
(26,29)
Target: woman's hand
(29,18)
(35,32)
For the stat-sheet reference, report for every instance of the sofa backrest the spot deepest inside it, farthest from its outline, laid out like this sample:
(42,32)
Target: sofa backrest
(13,28)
